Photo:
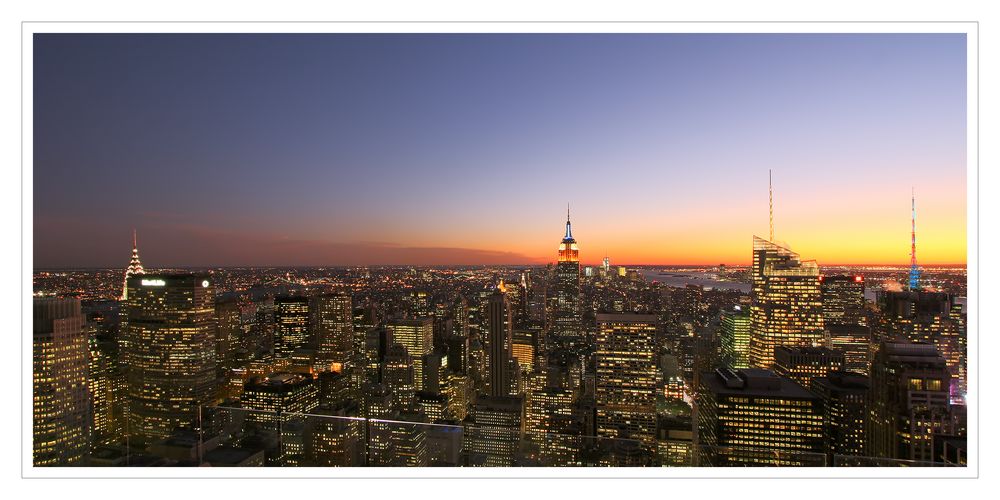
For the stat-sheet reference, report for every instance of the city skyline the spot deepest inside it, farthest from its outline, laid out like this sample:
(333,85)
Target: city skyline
(329,150)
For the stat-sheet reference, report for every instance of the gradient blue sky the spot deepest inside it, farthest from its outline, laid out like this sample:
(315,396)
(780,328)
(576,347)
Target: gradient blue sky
(430,149)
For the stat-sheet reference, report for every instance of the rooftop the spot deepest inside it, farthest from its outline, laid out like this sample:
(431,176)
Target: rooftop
(753,382)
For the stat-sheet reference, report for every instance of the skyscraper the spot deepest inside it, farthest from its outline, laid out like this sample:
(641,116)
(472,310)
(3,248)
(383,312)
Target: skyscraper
(335,332)
(498,343)
(134,266)
(291,325)
(398,376)
(786,305)
(170,357)
(626,376)
(909,402)
(496,435)
(106,379)
(567,328)
(60,413)
(753,417)
(845,409)
(843,299)
(734,333)
(854,342)
(934,318)
(551,425)
(417,336)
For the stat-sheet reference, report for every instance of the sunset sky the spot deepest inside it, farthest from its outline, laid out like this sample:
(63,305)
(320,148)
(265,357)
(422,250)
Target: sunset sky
(465,148)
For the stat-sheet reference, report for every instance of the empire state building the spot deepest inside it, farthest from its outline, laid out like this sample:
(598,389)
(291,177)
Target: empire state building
(567,328)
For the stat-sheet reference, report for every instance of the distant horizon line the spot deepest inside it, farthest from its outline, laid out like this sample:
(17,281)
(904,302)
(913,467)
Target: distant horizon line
(346,266)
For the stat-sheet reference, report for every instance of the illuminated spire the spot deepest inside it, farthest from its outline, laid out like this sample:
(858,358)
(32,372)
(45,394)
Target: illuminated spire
(568,251)
(134,266)
(569,230)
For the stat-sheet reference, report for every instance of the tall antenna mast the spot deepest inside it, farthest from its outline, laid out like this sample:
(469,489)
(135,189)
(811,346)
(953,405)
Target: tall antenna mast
(770,203)
(914,270)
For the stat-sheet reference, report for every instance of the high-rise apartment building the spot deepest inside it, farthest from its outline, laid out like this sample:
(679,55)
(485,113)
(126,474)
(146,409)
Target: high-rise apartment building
(786,303)
(170,358)
(61,406)
(626,376)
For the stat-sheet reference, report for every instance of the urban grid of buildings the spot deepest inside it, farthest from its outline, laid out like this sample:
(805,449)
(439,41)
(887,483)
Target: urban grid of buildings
(552,365)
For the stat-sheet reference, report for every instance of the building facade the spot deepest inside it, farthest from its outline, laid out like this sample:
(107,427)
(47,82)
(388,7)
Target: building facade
(786,302)
(626,376)
(61,405)
(170,357)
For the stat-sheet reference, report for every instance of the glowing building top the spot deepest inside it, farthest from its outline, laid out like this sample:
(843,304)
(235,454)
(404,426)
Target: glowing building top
(568,251)
(134,266)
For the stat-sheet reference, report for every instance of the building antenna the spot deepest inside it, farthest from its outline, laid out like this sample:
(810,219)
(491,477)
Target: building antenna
(770,203)
(914,270)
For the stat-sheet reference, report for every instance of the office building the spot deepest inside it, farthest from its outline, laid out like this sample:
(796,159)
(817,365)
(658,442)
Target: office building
(170,356)
(626,376)
(844,397)
(399,377)
(854,342)
(753,417)
(786,303)
(674,442)
(552,425)
(106,377)
(802,364)
(273,400)
(498,343)
(496,434)
(417,336)
(334,324)
(843,299)
(734,337)
(291,325)
(930,317)
(909,402)
(60,409)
